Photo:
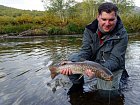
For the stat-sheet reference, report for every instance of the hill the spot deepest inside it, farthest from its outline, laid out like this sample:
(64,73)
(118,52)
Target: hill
(9,11)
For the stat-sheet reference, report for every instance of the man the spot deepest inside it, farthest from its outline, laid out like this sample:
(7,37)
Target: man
(104,41)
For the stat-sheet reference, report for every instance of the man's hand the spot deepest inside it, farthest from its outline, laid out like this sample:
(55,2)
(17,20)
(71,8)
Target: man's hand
(65,71)
(65,62)
(89,73)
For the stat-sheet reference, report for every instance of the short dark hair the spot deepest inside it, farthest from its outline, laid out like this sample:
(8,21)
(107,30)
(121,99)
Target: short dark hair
(107,7)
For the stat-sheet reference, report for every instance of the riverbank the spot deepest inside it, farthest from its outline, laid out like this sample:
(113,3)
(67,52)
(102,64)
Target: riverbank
(4,36)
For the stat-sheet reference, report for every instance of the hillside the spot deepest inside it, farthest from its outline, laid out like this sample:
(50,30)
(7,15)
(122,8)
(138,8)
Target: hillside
(15,21)
(8,11)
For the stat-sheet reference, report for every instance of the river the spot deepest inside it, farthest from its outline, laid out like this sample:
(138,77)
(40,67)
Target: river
(24,72)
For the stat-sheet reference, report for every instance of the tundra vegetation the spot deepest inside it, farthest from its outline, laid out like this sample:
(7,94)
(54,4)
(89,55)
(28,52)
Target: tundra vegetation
(62,17)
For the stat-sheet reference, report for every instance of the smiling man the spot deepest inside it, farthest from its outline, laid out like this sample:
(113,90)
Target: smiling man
(105,42)
(107,21)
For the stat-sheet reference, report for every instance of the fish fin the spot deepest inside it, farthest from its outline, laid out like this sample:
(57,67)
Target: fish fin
(80,76)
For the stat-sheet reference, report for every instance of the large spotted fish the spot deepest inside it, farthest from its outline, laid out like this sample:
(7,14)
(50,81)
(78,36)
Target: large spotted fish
(79,68)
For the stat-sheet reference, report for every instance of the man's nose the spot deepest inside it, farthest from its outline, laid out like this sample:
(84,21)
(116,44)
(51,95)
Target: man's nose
(107,22)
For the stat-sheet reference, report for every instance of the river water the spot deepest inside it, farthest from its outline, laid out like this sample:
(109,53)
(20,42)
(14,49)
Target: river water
(24,73)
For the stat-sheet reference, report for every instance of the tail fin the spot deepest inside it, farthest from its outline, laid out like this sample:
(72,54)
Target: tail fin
(53,71)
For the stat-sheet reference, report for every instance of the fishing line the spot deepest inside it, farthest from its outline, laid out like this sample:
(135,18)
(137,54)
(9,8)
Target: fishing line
(109,92)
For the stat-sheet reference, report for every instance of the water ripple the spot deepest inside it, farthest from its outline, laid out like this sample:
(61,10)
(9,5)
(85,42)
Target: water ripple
(24,72)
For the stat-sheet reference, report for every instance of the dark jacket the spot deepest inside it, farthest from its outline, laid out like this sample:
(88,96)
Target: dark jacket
(111,53)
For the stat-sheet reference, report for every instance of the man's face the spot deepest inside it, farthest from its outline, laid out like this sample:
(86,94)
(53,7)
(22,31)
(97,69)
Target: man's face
(107,21)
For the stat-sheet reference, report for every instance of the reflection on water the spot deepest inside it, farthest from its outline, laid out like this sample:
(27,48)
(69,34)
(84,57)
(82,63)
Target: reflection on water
(24,72)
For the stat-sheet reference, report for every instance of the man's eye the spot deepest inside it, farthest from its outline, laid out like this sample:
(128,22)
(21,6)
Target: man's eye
(111,19)
(104,19)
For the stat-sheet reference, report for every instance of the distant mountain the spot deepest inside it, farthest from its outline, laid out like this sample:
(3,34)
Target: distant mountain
(137,9)
(9,11)
(2,7)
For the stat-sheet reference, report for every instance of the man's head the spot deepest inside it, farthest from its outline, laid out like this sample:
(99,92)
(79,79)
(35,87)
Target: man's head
(107,17)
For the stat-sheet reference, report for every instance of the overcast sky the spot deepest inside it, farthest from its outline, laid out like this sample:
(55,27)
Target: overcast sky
(33,4)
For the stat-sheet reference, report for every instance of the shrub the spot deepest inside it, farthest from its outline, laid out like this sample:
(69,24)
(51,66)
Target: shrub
(14,28)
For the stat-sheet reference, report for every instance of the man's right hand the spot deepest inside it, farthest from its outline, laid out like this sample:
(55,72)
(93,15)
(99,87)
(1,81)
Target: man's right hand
(65,62)
(65,71)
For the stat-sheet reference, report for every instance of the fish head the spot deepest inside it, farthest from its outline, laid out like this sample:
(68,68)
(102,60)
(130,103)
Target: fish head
(53,70)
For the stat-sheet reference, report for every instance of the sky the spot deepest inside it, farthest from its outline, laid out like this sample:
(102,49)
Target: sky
(34,4)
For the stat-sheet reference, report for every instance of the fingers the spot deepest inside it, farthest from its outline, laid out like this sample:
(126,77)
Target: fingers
(65,62)
(66,72)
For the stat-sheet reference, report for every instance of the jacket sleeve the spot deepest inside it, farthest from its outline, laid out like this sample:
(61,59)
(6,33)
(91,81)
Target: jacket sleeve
(117,57)
(85,52)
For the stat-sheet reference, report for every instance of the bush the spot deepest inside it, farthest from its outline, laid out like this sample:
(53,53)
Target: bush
(14,28)
(74,29)
(54,30)
(131,22)
(5,20)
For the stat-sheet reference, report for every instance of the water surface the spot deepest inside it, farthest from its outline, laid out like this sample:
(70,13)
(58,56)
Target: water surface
(24,72)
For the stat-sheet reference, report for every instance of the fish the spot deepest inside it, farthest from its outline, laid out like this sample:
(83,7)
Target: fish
(79,68)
